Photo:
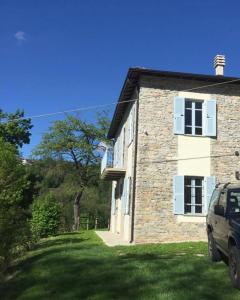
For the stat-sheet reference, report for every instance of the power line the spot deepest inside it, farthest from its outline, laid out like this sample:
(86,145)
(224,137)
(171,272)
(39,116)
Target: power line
(188,158)
(70,110)
(210,85)
(113,103)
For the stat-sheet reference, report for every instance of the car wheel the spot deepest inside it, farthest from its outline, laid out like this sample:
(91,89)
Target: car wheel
(234,266)
(213,252)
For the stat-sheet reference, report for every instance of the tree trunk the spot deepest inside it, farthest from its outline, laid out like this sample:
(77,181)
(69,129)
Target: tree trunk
(76,211)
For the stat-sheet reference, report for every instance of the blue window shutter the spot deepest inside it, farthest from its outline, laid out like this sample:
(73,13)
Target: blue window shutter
(113,200)
(123,196)
(209,185)
(178,194)
(130,127)
(210,117)
(115,157)
(179,120)
(121,149)
(133,120)
(126,196)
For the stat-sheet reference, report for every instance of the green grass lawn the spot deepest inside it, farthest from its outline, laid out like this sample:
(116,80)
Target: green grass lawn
(80,266)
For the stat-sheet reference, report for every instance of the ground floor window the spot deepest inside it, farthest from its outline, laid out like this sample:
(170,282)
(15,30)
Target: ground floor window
(193,195)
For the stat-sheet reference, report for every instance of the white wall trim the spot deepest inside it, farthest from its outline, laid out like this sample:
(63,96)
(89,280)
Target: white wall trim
(190,219)
(192,95)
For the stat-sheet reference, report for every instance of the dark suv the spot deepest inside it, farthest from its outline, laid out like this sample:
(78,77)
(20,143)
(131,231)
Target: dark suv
(223,228)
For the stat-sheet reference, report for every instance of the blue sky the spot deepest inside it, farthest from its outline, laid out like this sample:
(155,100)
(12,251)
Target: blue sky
(57,55)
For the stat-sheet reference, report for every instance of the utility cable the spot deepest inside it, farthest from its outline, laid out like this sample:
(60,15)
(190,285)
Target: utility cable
(114,103)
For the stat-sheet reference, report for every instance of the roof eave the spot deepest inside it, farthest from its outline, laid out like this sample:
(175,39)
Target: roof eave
(131,81)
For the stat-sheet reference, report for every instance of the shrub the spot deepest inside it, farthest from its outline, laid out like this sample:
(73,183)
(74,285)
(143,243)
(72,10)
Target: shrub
(46,216)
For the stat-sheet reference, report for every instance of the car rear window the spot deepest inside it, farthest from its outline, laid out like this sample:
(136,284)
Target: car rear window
(234,201)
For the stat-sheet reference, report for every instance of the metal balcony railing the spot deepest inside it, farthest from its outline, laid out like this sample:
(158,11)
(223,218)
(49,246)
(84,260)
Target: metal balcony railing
(107,160)
(108,170)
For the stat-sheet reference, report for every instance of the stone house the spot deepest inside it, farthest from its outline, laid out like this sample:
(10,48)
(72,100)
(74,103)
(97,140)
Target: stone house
(175,135)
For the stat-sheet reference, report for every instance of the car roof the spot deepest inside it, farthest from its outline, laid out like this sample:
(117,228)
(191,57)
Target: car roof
(228,187)
(233,186)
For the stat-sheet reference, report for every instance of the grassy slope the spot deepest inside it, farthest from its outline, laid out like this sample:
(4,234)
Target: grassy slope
(79,266)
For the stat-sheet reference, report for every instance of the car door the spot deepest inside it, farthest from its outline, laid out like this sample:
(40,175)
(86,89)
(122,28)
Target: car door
(211,215)
(221,223)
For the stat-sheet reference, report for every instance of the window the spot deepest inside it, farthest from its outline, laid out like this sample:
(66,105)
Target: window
(193,195)
(234,201)
(193,117)
(214,199)
(223,200)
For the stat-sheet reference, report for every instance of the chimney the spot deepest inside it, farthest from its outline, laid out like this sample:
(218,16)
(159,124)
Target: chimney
(219,63)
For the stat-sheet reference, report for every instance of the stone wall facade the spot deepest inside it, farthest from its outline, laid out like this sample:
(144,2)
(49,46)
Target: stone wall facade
(157,146)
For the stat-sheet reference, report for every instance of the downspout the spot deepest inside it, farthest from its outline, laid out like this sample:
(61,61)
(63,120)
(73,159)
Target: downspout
(135,167)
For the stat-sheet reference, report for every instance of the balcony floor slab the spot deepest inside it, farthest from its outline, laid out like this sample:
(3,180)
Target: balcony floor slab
(113,174)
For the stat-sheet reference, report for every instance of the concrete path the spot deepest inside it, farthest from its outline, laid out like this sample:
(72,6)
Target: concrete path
(111,239)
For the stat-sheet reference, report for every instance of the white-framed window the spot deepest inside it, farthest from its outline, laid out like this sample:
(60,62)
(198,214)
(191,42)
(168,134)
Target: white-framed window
(195,117)
(192,194)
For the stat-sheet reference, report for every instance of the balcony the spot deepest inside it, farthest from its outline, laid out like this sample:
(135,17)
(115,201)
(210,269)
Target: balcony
(108,170)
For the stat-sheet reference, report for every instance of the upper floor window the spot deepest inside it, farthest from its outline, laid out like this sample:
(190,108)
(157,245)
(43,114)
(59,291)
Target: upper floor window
(195,117)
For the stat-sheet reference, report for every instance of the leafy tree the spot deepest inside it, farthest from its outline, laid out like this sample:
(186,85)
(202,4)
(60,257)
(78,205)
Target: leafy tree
(14,128)
(16,190)
(60,178)
(53,176)
(46,216)
(14,202)
(76,141)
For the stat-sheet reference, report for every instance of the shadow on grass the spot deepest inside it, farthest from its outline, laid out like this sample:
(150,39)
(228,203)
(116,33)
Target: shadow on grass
(77,270)
(73,233)
(58,242)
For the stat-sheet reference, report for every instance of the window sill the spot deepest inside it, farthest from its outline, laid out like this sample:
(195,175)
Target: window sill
(190,218)
(194,135)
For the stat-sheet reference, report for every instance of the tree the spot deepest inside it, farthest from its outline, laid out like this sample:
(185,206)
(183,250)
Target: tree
(54,176)
(79,142)
(60,178)
(14,202)
(14,128)
(15,187)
